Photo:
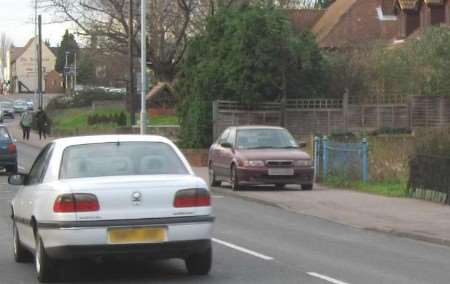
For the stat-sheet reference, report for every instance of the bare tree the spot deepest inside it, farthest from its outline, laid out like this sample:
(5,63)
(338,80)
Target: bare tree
(5,45)
(170,24)
(106,23)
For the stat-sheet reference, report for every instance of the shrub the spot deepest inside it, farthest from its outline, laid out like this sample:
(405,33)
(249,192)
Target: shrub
(122,119)
(82,99)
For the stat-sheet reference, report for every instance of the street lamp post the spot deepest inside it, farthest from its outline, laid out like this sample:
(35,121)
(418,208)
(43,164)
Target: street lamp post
(143,124)
(65,70)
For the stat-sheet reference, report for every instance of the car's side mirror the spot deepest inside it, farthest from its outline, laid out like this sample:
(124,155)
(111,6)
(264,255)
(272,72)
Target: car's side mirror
(226,145)
(302,144)
(18,179)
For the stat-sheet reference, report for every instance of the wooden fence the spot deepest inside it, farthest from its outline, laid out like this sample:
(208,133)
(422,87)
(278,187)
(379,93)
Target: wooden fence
(326,116)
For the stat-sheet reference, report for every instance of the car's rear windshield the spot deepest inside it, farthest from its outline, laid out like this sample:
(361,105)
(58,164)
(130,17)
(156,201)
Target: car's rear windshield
(4,136)
(260,138)
(120,159)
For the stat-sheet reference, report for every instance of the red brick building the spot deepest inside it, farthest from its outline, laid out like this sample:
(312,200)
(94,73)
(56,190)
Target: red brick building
(349,23)
(416,15)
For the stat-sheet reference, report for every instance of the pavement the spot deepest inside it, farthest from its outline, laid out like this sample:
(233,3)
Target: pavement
(405,217)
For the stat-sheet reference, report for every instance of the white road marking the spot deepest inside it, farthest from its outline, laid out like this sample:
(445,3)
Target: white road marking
(21,168)
(217,196)
(326,278)
(241,249)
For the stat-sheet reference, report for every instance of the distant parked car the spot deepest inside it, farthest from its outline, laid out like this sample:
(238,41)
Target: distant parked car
(30,104)
(257,155)
(20,106)
(8,109)
(117,91)
(8,151)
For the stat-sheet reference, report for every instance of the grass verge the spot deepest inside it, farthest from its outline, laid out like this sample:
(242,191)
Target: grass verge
(390,188)
(77,118)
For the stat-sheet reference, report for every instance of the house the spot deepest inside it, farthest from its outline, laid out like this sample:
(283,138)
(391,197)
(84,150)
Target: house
(21,66)
(349,23)
(416,15)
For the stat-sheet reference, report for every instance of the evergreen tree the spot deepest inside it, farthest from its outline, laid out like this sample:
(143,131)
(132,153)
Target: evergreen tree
(70,45)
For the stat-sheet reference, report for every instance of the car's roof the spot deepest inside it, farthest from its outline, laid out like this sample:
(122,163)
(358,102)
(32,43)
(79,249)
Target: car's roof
(246,127)
(80,140)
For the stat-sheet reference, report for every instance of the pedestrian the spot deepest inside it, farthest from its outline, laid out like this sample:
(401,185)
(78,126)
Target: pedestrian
(26,121)
(42,122)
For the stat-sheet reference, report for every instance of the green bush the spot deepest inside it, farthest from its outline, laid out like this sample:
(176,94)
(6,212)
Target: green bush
(433,142)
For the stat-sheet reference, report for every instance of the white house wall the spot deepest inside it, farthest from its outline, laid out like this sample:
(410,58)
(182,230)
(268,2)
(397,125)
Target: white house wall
(25,66)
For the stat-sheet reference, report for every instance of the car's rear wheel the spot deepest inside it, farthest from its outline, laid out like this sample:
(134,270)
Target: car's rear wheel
(307,186)
(11,169)
(45,266)
(235,186)
(212,177)
(199,263)
(21,254)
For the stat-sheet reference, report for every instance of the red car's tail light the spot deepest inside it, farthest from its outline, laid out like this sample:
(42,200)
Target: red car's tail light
(12,148)
(195,197)
(77,202)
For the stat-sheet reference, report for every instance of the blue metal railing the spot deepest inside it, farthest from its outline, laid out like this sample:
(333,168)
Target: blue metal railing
(348,160)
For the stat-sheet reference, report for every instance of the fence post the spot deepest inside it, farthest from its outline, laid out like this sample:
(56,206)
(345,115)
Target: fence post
(325,156)
(215,113)
(316,157)
(365,159)
(345,103)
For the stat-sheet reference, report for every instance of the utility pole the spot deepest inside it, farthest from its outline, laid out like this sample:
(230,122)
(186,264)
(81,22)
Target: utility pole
(40,63)
(131,99)
(75,74)
(143,65)
(36,30)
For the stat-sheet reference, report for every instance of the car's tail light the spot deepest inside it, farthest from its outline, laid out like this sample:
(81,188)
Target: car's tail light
(77,202)
(195,197)
(12,148)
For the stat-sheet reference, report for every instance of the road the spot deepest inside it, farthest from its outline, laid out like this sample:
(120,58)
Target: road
(255,243)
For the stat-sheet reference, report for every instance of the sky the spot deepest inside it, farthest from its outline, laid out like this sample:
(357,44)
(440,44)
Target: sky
(17,21)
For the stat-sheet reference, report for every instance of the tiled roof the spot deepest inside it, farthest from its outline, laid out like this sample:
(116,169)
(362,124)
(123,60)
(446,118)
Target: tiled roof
(304,19)
(332,17)
(16,52)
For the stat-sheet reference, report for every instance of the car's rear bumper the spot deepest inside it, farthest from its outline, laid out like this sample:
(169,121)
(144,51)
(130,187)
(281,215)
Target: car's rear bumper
(256,176)
(72,240)
(176,249)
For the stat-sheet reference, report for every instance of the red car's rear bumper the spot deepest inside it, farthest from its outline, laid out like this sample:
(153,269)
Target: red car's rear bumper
(258,176)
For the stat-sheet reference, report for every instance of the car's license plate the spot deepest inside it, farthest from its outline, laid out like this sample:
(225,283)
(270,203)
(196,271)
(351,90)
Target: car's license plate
(281,172)
(136,235)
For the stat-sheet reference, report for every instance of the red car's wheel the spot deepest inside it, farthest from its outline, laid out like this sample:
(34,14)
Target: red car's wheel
(212,177)
(235,186)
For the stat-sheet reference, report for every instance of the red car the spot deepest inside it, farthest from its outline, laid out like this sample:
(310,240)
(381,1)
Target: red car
(256,155)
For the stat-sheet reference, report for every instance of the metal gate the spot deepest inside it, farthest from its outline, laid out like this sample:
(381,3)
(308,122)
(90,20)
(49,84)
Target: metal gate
(346,160)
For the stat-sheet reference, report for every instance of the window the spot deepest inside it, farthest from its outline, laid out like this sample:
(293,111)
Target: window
(224,136)
(265,138)
(4,136)
(231,137)
(40,166)
(120,159)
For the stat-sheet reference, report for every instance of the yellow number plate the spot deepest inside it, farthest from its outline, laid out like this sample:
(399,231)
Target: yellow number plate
(136,235)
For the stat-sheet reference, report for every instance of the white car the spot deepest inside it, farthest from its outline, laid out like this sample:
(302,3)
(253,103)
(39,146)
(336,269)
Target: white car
(111,195)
